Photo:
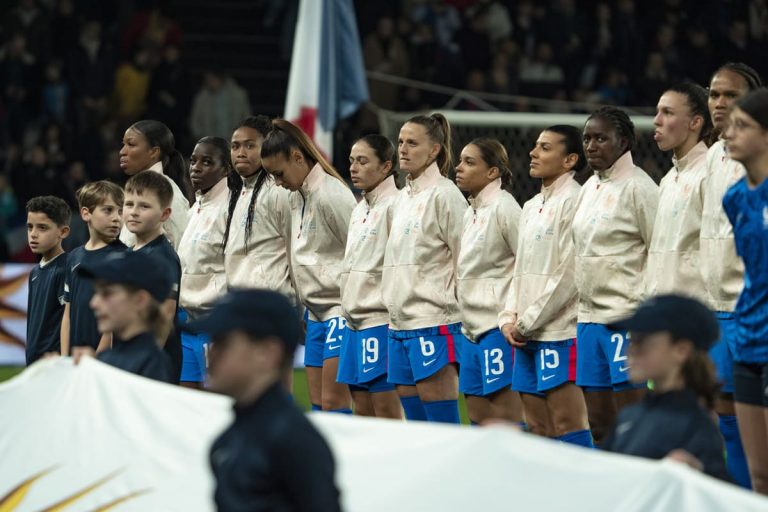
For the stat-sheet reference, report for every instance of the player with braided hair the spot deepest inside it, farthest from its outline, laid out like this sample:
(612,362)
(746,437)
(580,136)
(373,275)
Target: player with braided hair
(721,267)
(612,229)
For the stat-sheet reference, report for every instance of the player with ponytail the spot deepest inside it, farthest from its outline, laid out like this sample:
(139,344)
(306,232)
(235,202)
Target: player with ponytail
(419,279)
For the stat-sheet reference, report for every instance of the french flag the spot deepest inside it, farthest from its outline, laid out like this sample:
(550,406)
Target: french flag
(327,81)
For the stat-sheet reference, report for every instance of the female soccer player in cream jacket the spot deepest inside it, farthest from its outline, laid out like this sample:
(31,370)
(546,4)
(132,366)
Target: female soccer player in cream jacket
(612,229)
(321,205)
(258,219)
(363,359)
(420,273)
(539,317)
(681,123)
(203,280)
(484,272)
(722,269)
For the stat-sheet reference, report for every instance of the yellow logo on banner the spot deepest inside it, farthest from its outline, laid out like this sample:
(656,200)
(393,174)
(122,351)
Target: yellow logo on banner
(11,501)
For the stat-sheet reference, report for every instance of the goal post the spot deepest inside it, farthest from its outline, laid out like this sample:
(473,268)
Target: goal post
(518,132)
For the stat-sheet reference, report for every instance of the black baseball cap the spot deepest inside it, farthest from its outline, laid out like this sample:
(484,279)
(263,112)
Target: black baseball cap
(258,313)
(681,316)
(133,268)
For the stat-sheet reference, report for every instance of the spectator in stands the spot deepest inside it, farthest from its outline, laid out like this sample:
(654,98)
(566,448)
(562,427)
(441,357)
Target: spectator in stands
(496,18)
(91,66)
(155,27)
(170,94)
(17,83)
(384,51)
(219,104)
(444,20)
(55,94)
(540,75)
(129,97)
(31,21)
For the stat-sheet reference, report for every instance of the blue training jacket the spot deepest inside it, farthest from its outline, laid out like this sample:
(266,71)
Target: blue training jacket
(747,209)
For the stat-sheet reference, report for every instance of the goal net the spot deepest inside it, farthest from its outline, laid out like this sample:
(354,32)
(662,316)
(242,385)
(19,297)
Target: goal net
(519,131)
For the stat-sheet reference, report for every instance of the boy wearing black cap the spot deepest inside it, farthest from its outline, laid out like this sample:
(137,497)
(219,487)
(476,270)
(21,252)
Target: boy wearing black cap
(271,457)
(670,338)
(129,288)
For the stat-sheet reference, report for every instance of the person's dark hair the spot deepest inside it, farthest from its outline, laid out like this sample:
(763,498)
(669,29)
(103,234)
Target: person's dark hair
(573,144)
(263,125)
(699,376)
(53,207)
(382,147)
(620,121)
(755,105)
(439,132)
(750,76)
(286,136)
(153,182)
(494,154)
(696,97)
(174,166)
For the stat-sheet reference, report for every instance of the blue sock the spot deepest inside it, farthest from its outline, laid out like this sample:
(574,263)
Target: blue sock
(316,407)
(579,438)
(443,411)
(523,426)
(341,411)
(414,409)
(734,451)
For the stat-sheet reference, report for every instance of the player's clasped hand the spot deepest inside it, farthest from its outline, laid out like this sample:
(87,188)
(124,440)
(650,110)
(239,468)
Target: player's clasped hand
(513,336)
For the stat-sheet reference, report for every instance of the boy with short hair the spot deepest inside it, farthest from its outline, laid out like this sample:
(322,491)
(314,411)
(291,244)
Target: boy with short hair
(47,227)
(148,197)
(100,204)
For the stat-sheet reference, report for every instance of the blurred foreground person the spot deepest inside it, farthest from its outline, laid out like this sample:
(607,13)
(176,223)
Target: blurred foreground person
(271,457)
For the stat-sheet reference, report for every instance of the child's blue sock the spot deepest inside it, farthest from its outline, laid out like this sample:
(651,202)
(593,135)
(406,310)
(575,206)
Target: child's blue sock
(341,411)
(579,438)
(734,451)
(414,409)
(443,411)
(316,407)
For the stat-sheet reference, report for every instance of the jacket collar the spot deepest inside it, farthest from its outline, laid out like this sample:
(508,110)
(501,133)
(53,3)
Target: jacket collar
(620,167)
(218,190)
(558,185)
(383,189)
(313,179)
(693,156)
(487,195)
(428,178)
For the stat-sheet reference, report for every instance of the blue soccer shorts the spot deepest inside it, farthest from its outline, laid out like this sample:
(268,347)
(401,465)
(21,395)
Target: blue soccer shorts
(544,365)
(721,353)
(363,359)
(417,354)
(194,362)
(323,340)
(486,366)
(601,360)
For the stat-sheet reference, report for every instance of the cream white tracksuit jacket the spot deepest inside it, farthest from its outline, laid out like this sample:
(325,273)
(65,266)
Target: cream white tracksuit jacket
(486,258)
(542,300)
(721,268)
(203,279)
(612,229)
(674,257)
(320,213)
(361,297)
(419,279)
(262,261)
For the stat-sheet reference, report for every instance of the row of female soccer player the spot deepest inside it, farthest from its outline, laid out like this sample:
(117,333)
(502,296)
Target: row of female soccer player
(406,287)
